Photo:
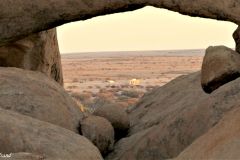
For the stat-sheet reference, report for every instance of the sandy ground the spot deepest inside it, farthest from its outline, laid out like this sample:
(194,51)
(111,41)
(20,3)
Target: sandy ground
(94,72)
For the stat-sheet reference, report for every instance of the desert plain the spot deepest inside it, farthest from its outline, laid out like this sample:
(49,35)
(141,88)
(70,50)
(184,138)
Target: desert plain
(123,77)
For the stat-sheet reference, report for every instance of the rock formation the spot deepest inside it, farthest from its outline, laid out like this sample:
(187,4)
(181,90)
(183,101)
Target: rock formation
(117,116)
(220,66)
(37,16)
(236,37)
(170,118)
(221,142)
(34,94)
(22,133)
(37,52)
(163,123)
(99,131)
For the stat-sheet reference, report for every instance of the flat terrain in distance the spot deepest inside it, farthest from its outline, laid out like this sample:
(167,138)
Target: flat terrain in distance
(89,71)
(112,71)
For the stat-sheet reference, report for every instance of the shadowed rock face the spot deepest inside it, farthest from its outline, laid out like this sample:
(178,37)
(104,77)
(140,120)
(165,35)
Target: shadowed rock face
(221,142)
(118,118)
(236,37)
(37,52)
(171,117)
(41,15)
(99,131)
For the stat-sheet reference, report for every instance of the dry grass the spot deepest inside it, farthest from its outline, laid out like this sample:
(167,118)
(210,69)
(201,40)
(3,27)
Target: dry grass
(97,81)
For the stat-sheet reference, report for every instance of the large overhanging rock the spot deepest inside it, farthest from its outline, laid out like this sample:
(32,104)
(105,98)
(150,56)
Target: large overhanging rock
(19,18)
(37,52)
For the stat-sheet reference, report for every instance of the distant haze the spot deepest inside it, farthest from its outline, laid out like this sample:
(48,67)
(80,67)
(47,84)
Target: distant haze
(145,29)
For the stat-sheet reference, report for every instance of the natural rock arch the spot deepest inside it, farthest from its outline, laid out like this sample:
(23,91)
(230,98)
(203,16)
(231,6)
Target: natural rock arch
(24,17)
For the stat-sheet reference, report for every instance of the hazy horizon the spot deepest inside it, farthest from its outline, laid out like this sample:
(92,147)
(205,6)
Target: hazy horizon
(147,29)
(133,51)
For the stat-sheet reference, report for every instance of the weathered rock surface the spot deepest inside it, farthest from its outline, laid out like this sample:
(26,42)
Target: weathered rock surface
(34,94)
(42,15)
(220,66)
(22,133)
(236,37)
(99,131)
(170,118)
(38,52)
(118,118)
(221,142)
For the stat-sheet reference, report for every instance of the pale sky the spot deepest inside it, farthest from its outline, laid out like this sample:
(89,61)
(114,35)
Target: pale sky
(145,29)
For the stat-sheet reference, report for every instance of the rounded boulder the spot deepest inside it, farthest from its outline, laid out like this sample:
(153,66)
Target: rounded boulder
(99,131)
(118,118)
(20,133)
(36,95)
(220,66)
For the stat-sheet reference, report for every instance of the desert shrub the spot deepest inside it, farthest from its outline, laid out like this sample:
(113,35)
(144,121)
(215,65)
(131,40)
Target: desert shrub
(71,87)
(132,101)
(124,86)
(75,80)
(106,95)
(122,98)
(98,87)
(99,102)
(103,90)
(140,86)
(127,101)
(132,93)
(123,104)
(83,108)
(149,88)
(82,97)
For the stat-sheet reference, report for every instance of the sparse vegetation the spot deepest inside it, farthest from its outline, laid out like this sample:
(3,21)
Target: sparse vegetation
(132,93)
(106,80)
(75,80)
(123,98)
